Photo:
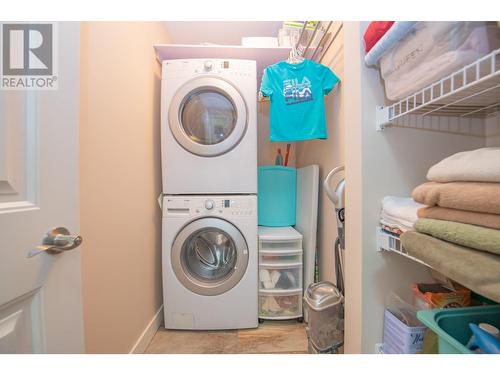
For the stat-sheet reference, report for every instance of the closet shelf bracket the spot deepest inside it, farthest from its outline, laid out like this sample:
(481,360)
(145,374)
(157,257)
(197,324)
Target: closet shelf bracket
(389,242)
(382,117)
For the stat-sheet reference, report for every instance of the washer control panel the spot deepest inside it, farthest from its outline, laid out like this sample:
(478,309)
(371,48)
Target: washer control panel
(237,206)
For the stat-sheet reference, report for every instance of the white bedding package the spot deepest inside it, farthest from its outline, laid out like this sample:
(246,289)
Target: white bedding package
(434,50)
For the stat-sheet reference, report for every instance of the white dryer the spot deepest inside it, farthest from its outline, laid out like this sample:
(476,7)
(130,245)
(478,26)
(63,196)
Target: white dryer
(210,259)
(208,133)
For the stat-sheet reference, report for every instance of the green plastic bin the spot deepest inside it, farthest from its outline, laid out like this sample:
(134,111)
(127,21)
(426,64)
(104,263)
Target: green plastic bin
(452,325)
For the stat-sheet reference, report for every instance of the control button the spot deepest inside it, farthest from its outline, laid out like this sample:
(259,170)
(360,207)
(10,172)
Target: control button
(209,204)
(208,65)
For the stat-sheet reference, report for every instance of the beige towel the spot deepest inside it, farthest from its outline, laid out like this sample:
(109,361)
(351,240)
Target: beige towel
(482,165)
(468,196)
(476,270)
(460,216)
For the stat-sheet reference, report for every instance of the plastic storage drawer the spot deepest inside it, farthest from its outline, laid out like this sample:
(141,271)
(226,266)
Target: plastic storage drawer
(284,245)
(452,325)
(280,305)
(279,238)
(282,257)
(280,276)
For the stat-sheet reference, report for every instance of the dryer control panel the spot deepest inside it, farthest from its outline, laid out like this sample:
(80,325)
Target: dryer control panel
(219,67)
(230,206)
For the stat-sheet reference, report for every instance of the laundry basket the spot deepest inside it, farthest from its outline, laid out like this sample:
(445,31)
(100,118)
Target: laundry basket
(325,305)
(452,325)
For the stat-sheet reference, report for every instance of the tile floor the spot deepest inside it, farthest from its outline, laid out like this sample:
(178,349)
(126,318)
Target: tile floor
(272,337)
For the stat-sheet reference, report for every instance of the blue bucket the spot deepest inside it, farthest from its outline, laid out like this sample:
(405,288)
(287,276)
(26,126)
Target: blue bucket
(277,190)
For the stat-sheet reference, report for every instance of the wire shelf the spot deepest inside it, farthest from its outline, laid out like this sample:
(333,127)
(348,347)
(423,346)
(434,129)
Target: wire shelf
(390,242)
(473,91)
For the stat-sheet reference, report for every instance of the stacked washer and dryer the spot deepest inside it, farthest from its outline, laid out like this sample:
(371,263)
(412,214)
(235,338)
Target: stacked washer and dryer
(209,167)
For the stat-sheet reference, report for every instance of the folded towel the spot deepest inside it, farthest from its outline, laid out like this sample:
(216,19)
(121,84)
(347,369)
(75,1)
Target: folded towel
(482,165)
(476,270)
(392,230)
(467,235)
(460,216)
(404,208)
(393,222)
(468,196)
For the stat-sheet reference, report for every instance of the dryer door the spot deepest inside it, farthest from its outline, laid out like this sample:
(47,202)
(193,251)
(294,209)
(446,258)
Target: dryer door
(208,116)
(209,256)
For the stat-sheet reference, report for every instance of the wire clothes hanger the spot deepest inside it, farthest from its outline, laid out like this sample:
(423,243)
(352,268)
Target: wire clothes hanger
(295,56)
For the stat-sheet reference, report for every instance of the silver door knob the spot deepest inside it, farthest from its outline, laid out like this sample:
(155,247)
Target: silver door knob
(57,241)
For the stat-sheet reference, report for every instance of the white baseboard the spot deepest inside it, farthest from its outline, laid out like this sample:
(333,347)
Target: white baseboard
(147,335)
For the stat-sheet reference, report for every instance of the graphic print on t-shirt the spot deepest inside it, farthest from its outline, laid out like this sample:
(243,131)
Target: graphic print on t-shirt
(295,92)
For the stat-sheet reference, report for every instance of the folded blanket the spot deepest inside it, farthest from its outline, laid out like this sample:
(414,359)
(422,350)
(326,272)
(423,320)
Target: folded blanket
(468,196)
(479,165)
(460,216)
(476,270)
(467,235)
(404,208)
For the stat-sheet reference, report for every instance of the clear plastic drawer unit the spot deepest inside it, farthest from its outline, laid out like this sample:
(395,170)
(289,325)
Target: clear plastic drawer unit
(280,273)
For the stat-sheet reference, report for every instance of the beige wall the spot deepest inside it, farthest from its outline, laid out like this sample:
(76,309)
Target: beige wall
(353,331)
(268,150)
(492,125)
(327,154)
(120,180)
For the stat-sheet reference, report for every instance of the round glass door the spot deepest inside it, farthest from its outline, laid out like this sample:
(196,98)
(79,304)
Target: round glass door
(208,116)
(209,256)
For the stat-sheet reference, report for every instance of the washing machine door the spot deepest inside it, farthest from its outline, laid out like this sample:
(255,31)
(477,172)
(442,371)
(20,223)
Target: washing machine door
(209,256)
(208,116)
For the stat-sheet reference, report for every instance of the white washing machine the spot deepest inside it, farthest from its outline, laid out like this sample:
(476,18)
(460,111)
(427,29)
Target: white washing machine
(209,120)
(210,259)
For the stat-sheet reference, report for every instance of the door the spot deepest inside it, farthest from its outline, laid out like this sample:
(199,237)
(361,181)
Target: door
(208,116)
(40,297)
(209,256)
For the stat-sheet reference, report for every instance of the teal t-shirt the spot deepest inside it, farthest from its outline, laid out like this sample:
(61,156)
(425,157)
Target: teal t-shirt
(297,105)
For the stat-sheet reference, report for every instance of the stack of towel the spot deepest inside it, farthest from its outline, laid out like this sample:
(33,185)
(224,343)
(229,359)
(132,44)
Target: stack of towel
(462,200)
(399,214)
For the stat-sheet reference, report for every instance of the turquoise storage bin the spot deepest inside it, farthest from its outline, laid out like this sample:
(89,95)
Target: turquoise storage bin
(276,194)
(452,325)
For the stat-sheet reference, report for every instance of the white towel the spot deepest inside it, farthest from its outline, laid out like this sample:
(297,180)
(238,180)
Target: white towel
(402,208)
(482,165)
(269,279)
(393,222)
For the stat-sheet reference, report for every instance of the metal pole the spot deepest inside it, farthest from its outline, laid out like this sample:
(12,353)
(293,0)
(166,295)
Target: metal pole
(321,40)
(311,39)
(301,34)
(331,42)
